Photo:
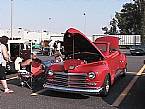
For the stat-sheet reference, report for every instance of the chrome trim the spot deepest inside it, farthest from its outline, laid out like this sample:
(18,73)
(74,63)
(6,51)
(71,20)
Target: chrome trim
(75,90)
(67,73)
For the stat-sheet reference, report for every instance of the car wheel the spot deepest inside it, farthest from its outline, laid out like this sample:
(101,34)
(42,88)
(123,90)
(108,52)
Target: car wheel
(124,71)
(106,86)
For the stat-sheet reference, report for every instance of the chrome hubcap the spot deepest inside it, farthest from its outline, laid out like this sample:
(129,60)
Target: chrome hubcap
(125,70)
(107,85)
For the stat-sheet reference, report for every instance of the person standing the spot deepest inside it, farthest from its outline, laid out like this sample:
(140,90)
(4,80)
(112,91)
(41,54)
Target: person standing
(4,57)
(55,46)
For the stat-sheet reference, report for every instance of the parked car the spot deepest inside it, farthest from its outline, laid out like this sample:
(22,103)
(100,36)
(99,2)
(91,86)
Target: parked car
(36,46)
(88,68)
(137,50)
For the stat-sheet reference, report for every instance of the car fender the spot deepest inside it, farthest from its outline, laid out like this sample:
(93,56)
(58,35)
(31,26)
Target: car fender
(123,61)
(101,74)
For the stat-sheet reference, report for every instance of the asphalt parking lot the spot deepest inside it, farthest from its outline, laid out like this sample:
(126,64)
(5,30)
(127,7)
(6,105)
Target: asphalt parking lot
(122,95)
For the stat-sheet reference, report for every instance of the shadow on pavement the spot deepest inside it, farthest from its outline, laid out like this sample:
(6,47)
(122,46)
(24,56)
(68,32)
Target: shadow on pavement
(64,95)
(136,96)
(116,89)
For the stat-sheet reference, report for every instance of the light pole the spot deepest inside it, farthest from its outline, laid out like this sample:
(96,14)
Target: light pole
(84,22)
(49,27)
(11,19)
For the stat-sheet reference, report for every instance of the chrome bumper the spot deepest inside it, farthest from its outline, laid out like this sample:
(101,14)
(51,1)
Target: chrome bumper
(74,90)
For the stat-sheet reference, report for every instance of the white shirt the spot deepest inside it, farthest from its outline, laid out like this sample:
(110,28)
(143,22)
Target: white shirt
(2,60)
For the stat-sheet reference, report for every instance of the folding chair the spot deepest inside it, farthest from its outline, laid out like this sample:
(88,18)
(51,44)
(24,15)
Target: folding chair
(25,78)
(29,77)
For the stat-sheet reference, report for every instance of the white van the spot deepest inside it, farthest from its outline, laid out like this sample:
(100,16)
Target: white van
(19,48)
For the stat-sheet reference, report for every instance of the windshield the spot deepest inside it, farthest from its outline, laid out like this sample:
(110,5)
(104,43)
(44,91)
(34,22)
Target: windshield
(102,46)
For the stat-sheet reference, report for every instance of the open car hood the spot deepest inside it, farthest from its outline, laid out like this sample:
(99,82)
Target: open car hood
(75,41)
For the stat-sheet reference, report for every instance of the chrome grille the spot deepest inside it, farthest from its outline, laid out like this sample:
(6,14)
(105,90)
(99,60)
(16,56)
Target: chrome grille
(70,80)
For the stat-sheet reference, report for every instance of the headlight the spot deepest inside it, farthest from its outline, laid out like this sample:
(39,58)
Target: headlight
(92,75)
(50,72)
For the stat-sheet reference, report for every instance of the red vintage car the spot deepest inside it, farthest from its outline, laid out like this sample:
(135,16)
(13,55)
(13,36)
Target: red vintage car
(88,67)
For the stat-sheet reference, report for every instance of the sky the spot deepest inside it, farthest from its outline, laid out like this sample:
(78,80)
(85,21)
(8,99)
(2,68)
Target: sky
(59,15)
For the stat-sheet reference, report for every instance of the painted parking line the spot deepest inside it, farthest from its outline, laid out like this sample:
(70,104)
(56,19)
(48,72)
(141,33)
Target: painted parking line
(131,73)
(127,89)
(15,77)
(38,92)
(143,73)
(33,94)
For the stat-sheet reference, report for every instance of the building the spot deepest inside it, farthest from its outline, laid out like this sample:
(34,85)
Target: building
(34,36)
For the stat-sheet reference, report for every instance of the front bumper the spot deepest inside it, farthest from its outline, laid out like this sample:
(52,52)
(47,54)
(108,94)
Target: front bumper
(73,90)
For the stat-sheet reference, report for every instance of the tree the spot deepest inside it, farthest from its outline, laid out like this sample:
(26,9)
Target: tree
(141,6)
(112,29)
(105,29)
(128,20)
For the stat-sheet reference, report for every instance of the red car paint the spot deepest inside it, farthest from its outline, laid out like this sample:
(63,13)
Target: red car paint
(82,57)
